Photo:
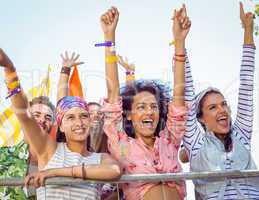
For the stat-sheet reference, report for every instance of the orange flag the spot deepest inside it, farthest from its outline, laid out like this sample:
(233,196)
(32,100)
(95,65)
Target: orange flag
(53,132)
(75,87)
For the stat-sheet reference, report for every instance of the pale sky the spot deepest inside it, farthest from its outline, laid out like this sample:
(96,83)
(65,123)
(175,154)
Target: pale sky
(34,33)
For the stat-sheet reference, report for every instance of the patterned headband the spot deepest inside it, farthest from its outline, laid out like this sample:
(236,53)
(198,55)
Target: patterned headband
(67,103)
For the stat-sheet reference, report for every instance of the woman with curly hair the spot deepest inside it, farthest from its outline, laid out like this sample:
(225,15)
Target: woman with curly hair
(153,127)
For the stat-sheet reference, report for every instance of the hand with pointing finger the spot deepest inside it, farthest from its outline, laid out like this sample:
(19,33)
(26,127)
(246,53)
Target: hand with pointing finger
(247,19)
(181,24)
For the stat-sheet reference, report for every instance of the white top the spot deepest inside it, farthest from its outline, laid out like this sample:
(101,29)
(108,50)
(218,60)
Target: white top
(63,157)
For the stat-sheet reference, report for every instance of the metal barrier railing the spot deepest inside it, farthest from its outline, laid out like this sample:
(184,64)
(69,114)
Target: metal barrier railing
(215,175)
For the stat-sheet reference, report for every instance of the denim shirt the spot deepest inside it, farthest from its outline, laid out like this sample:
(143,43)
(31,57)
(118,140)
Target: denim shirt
(213,157)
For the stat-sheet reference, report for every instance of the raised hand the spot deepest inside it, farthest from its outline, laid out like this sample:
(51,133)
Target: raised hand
(5,61)
(247,19)
(109,20)
(181,24)
(125,64)
(70,61)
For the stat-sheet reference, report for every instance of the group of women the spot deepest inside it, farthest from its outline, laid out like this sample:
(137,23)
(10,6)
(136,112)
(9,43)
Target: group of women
(145,127)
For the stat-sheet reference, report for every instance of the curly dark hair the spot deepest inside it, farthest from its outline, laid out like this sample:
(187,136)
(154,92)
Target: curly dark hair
(227,140)
(159,89)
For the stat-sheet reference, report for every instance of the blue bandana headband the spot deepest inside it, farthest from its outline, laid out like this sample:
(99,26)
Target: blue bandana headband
(67,103)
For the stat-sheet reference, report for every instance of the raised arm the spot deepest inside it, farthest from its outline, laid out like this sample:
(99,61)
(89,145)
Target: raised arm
(109,22)
(181,27)
(67,64)
(176,117)
(109,169)
(193,132)
(39,141)
(130,69)
(244,120)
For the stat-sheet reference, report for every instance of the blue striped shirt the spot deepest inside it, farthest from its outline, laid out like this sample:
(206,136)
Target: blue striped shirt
(242,126)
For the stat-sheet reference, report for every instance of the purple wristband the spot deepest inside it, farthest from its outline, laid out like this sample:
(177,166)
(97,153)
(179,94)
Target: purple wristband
(128,72)
(105,44)
(13,92)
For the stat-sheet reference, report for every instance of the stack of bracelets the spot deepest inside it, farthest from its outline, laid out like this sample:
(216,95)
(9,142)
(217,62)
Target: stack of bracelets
(111,58)
(65,70)
(130,75)
(13,84)
(179,58)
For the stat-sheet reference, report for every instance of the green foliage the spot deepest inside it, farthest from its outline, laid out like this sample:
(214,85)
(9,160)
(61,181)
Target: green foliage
(14,163)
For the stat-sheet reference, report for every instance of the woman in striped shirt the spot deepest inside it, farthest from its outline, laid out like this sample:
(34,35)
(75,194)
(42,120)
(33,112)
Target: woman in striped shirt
(212,140)
(97,140)
(70,158)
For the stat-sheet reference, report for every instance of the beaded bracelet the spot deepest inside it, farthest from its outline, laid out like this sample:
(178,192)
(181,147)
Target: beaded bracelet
(65,70)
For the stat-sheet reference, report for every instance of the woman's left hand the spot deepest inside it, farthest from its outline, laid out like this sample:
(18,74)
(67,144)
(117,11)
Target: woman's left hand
(37,177)
(247,19)
(181,24)
(70,61)
(5,61)
(125,64)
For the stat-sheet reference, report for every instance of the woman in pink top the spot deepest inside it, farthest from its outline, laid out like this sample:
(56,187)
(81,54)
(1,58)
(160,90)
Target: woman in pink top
(144,129)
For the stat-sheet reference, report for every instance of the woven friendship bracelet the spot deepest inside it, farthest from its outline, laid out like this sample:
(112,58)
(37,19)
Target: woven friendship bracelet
(65,70)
